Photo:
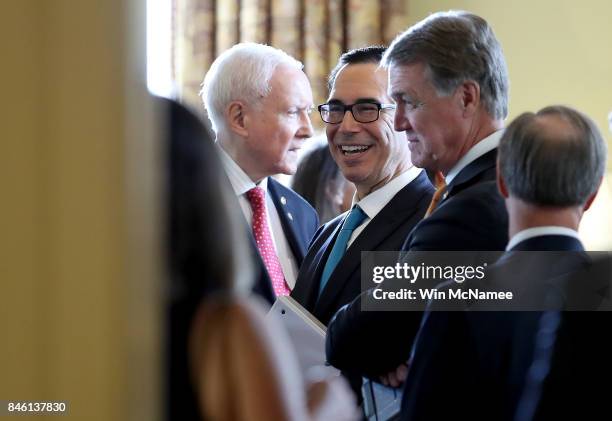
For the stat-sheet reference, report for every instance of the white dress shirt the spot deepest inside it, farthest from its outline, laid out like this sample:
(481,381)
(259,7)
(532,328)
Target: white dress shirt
(485,145)
(374,202)
(242,183)
(528,233)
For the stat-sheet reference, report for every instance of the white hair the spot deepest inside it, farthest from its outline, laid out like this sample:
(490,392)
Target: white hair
(241,73)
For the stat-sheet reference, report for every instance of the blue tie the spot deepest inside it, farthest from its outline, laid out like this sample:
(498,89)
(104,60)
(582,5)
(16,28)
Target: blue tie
(352,221)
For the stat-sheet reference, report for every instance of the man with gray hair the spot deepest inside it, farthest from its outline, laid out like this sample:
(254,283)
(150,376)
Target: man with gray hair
(550,167)
(448,78)
(258,100)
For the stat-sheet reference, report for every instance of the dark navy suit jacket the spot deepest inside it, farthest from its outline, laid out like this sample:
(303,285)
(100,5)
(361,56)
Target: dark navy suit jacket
(572,353)
(472,216)
(476,362)
(386,232)
(299,221)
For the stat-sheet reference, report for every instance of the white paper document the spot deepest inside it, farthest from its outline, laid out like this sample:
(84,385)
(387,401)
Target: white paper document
(306,333)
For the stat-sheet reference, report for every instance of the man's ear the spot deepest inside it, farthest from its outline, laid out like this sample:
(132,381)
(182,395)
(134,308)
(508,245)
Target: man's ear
(592,197)
(469,97)
(501,184)
(236,119)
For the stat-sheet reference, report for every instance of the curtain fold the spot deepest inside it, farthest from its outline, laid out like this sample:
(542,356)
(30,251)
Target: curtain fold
(315,32)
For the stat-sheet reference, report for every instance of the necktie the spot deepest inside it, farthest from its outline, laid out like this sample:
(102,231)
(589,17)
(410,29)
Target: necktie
(352,221)
(437,196)
(263,238)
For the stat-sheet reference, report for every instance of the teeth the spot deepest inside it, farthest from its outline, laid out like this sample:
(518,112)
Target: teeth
(353,148)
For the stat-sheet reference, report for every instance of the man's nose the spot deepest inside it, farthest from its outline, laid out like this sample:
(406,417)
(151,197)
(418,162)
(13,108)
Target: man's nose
(349,124)
(400,120)
(306,129)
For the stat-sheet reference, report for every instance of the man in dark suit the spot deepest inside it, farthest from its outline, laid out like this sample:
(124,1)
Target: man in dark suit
(550,168)
(258,100)
(574,352)
(448,77)
(392,195)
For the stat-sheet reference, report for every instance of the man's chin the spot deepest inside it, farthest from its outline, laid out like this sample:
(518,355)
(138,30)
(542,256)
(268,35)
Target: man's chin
(287,169)
(354,177)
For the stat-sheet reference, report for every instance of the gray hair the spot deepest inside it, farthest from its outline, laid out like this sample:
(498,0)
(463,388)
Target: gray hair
(552,167)
(456,46)
(242,72)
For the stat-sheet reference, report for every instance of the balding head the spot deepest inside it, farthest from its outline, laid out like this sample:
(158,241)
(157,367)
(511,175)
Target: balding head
(555,157)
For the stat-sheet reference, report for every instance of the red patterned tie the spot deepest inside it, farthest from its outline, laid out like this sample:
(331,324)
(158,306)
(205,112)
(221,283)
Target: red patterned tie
(263,238)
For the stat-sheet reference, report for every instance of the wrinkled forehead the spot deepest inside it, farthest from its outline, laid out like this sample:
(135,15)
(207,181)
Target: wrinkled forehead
(359,81)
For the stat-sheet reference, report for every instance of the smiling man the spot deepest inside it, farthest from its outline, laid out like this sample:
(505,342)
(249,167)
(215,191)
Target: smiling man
(258,100)
(391,194)
(448,77)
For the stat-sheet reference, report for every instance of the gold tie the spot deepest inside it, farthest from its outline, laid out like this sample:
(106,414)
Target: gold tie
(437,196)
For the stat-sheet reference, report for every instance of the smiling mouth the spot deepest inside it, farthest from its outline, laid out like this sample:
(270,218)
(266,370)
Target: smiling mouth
(353,149)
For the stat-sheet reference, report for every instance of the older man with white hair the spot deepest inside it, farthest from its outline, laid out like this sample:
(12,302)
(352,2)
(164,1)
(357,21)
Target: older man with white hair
(258,100)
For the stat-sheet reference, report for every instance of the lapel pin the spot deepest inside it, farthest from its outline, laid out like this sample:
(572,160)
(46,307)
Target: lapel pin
(283,200)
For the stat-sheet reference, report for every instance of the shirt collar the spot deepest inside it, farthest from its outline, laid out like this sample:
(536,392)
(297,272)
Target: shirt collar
(240,181)
(485,145)
(378,199)
(528,233)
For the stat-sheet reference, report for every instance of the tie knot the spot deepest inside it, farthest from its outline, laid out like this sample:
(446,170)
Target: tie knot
(256,196)
(354,218)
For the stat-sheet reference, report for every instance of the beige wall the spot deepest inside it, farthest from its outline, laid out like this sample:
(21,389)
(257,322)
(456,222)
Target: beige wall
(558,52)
(68,266)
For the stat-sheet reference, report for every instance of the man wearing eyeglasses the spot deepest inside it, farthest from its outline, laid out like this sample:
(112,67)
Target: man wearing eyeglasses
(448,77)
(391,194)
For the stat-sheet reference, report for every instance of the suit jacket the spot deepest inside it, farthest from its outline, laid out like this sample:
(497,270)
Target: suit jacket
(472,216)
(572,352)
(477,361)
(299,221)
(386,232)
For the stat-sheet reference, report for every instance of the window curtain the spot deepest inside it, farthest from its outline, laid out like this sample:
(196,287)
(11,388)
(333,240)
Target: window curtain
(315,32)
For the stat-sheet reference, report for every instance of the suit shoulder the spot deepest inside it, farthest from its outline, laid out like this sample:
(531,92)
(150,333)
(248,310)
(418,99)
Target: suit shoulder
(482,198)
(414,196)
(473,219)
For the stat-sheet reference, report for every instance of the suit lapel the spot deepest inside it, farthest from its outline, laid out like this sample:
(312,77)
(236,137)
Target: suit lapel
(287,212)
(401,208)
(309,287)
(469,174)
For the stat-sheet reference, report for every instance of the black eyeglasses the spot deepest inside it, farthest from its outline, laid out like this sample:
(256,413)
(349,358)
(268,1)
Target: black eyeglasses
(363,112)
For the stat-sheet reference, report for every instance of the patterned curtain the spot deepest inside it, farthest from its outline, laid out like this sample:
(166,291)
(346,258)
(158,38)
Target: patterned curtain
(315,32)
